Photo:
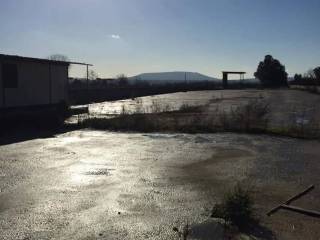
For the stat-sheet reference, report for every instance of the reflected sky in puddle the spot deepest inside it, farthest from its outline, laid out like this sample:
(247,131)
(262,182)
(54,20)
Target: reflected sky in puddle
(99,172)
(145,104)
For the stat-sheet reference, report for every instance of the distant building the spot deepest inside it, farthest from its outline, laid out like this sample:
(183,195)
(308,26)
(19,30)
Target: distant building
(30,83)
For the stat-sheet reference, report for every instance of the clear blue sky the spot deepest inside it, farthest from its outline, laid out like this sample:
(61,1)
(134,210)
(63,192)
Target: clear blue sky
(134,36)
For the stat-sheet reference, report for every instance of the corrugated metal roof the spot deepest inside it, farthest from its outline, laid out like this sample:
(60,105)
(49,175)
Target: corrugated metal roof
(41,60)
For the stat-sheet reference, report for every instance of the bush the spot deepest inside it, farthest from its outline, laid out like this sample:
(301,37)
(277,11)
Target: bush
(236,208)
(186,108)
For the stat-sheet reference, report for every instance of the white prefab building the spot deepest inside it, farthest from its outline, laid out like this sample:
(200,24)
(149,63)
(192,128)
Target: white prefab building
(32,82)
(28,82)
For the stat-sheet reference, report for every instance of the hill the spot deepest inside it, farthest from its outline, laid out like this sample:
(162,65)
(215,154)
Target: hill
(164,77)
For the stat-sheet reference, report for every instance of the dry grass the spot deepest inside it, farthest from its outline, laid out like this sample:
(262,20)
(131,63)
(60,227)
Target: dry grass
(190,119)
(250,117)
(236,208)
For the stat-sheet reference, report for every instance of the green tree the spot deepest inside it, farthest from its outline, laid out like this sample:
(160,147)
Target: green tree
(317,73)
(297,78)
(271,73)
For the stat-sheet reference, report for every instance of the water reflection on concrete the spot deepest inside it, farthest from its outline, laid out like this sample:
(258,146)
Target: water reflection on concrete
(103,185)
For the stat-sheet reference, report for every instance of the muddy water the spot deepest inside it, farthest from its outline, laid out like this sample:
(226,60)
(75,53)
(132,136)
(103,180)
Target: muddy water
(104,185)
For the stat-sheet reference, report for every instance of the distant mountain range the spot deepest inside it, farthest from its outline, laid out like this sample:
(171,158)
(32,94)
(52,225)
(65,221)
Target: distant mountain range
(175,77)
(179,77)
(163,77)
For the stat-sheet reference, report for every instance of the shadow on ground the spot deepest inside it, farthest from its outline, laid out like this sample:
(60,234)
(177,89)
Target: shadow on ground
(25,133)
(207,230)
(214,229)
(261,232)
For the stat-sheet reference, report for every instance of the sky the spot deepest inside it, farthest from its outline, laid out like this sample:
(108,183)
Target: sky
(136,36)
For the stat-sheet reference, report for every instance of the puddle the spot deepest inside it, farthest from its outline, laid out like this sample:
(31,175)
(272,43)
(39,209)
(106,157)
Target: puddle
(201,140)
(302,121)
(100,172)
(160,136)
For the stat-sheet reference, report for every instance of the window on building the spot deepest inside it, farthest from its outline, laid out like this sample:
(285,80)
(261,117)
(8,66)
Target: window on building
(9,75)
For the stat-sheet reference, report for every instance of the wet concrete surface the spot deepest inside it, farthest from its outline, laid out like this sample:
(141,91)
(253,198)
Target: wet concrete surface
(104,185)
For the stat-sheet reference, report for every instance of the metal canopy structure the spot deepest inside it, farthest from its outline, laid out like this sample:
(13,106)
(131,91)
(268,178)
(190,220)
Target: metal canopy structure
(225,76)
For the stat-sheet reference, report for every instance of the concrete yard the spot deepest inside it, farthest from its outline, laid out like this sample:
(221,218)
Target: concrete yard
(88,184)
(103,185)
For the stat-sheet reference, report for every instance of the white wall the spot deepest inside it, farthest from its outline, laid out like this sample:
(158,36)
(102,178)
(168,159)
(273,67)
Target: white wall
(34,85)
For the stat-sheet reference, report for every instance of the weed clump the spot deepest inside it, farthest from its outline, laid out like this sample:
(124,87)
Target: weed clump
(236,208)
(186,108)
(250,117)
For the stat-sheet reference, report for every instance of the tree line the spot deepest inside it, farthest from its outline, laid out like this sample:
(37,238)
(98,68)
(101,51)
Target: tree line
(309,78)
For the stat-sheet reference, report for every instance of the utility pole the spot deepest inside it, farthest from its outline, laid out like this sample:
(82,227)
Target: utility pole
(88,98)
(185,81)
